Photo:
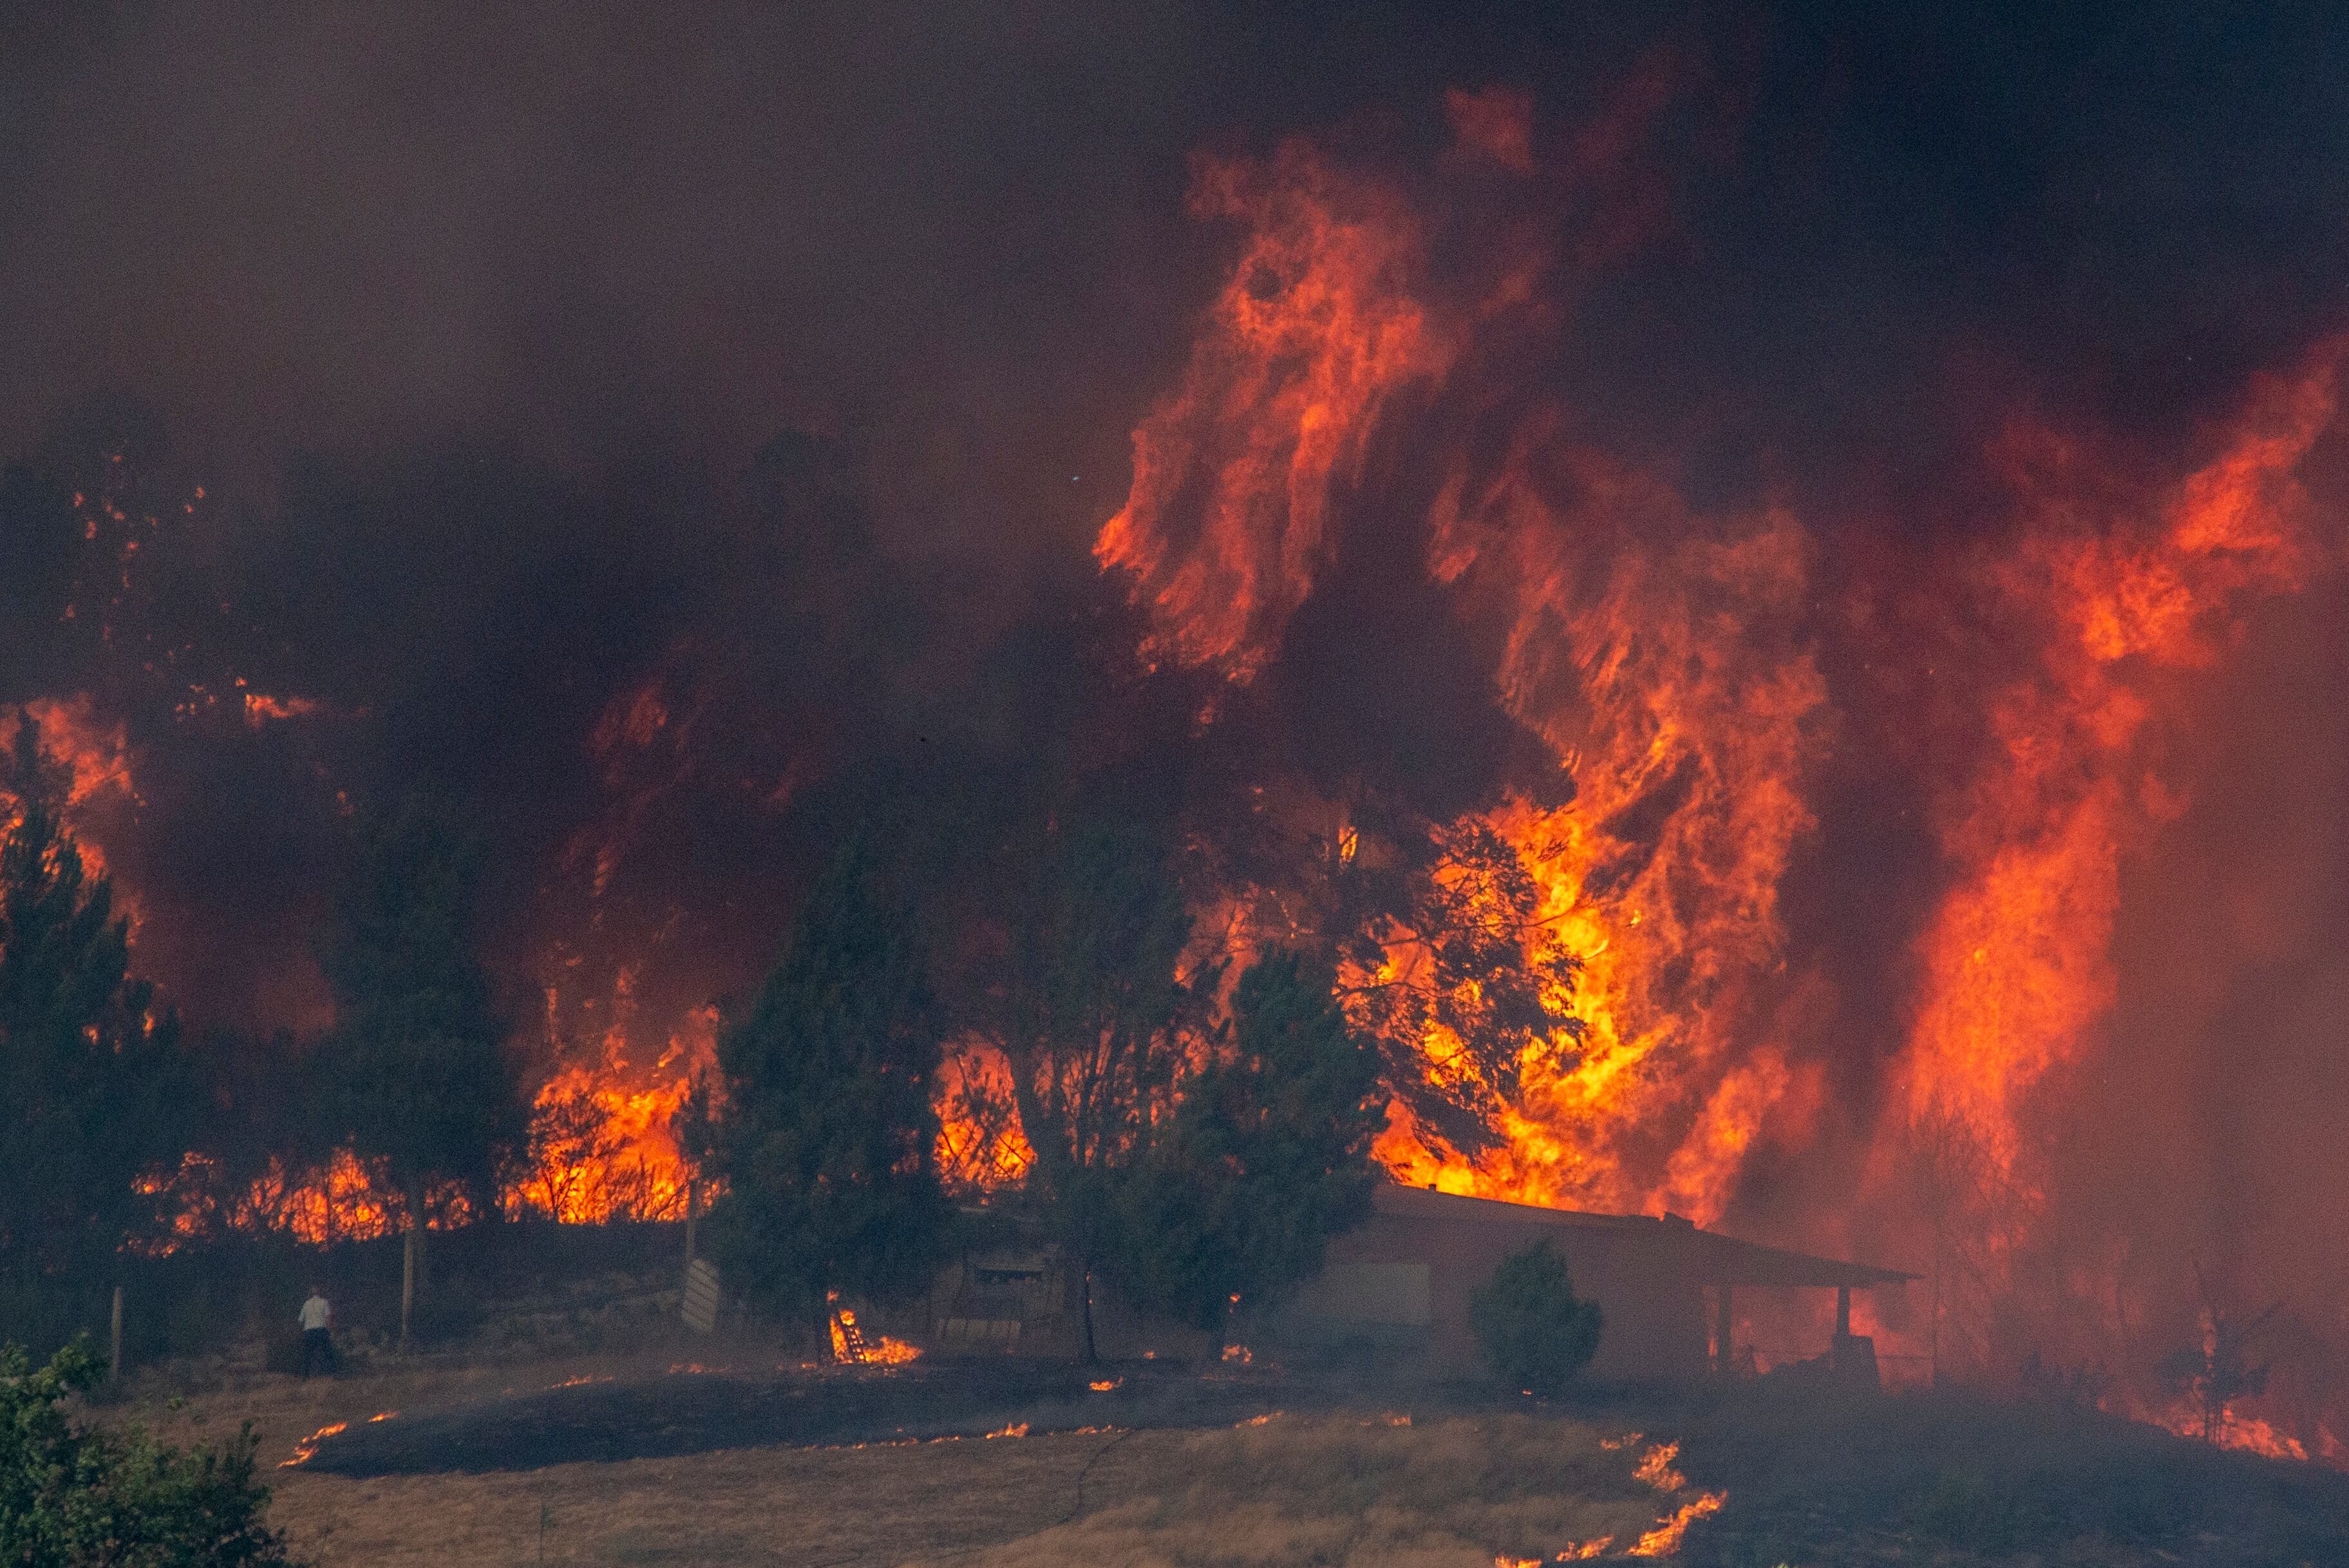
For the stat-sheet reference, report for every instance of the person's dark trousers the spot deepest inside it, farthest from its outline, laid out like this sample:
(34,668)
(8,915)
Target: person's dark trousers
(317,1349)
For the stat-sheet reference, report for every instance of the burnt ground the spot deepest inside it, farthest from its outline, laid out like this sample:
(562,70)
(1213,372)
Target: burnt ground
(695,1412)
(1813,1479)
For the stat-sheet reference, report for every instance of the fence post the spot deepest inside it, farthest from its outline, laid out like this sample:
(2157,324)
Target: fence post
(114,1340)
(406,1284)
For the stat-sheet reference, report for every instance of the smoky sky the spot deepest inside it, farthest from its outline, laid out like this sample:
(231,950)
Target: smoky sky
(777,360)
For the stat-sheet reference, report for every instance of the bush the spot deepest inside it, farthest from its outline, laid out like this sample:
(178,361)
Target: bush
(1535,1333)
(72,1498)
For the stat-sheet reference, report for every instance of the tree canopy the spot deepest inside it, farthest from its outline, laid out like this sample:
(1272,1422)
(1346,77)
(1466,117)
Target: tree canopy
(826,1146)
(96,1078)
(1264,1158)
(416,1067)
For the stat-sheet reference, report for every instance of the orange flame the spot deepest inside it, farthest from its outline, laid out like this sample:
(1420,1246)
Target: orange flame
(1670,1531)
(2017,958)
(1305,345)
(1694,704)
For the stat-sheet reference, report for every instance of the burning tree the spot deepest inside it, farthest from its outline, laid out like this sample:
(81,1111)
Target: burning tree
(2219,1370)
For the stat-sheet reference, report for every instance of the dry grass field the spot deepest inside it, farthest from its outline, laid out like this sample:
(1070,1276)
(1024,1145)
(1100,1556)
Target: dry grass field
(1335,1482)
(1350,1490)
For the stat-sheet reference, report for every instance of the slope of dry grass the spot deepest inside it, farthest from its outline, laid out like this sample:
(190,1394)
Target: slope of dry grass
(1353,1491)
(1946,1481)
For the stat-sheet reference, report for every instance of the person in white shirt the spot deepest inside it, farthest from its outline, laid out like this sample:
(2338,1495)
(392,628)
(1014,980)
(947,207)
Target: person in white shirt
(317,1332)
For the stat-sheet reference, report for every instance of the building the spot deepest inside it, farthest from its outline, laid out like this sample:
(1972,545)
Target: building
(1396,1289)
(1394,1293)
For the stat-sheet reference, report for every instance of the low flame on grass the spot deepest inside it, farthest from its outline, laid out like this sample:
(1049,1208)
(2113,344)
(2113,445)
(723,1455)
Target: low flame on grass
(309,1445)
(2249,1434)
(1016,1430)
(1264,1421)
(575,1382)
(1625,1441)
(1666,1539)
(1656,1469)
(1105,1385)
(381,1416)
(1238,1355)
(1579,1552)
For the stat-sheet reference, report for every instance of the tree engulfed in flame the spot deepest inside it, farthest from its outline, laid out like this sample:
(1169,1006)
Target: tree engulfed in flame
(1666,658)
(1653,651)
(602,1149)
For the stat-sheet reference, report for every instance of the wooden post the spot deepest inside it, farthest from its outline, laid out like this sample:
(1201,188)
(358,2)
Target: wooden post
(1843,1312)
(406,1284)
(692,1205)
(1724,1329)
(114,1340)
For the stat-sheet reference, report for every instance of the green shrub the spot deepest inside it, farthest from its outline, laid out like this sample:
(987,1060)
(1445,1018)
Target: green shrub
(78,1498)
(1535,1333)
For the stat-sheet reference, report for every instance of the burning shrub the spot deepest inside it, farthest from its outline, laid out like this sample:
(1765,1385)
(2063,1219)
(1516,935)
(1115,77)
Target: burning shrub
(70,1496)
(1535,1332)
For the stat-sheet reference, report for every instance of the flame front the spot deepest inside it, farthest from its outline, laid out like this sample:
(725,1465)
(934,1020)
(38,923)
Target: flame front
(1670,659)
(1653,651)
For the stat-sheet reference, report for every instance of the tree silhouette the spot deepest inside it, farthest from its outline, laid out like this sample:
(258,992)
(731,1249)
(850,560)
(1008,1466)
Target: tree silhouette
(1267,1154)
(92,1116)
(826,1146)
(417,1071)
(2219,1370)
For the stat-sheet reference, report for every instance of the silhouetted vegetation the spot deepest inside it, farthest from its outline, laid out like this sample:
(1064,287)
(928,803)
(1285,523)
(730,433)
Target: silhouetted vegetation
(77,1497)
(1535,1333)
(826,1146)
(417,1076)
(97,1087)
(1266,1157)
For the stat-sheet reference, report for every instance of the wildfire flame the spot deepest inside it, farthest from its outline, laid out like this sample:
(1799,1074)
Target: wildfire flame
(1665,657)
(1694,704)
(308,1446)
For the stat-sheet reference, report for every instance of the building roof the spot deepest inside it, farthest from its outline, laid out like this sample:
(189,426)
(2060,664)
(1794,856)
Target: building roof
(1718,1259)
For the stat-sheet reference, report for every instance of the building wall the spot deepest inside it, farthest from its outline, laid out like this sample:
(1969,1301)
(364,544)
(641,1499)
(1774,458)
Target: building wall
(1398,1289)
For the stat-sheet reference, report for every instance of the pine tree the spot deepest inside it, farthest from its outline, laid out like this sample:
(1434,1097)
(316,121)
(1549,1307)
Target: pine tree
(826,1149)
(1266,1157)
(417,1075)
(94,1076)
